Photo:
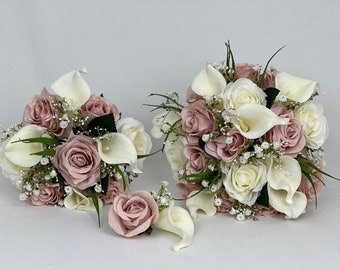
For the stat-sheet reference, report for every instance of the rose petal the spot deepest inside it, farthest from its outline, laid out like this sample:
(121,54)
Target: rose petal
(208,82)
(78,201)
(295,88)
(20,153)
(284,177)
(73,87)
(116,148)
(178,221)
(254,120)
(203,200)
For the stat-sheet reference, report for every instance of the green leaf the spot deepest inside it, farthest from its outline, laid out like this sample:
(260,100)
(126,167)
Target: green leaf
(94,196)
(125,183)
(46,153)
(263,74)
(105,184)
(202,175)
(102,124)
(46,141)
(271,96)
(263,199)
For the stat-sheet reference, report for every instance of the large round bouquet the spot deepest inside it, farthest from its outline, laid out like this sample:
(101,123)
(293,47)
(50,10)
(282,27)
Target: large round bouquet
(248,141)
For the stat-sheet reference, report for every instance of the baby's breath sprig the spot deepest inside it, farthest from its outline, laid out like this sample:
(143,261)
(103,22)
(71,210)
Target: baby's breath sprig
(162,197)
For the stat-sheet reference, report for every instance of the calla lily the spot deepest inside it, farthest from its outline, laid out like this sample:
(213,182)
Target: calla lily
(208,82)
(75,200)
(178,221)
(284,177)
(20,153)
(254,120)
(116,148)
(295,88)
(73,88)
(203,200)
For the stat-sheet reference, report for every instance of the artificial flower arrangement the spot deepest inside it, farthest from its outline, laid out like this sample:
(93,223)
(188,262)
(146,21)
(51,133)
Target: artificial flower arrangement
(74,150)
(248,142)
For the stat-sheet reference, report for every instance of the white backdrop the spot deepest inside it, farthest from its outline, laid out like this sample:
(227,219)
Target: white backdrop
(133,48)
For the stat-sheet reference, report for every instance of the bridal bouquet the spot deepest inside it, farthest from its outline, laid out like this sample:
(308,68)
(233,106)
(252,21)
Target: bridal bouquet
(248,142)
(73,149)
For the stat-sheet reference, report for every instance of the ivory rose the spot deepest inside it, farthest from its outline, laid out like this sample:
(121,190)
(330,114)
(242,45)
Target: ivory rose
(133,214)
(163,122)
(222,149)
(242,91)
(134,130)
(197,120)
(290,136)
(244,182)
(314,123)
(78,161)
(175,156)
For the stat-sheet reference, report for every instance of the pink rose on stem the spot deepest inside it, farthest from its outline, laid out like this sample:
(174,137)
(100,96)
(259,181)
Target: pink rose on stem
(97,106)
(307,188)
(133,214)
(115,187)
(226,148)
(197,120)
(290,136)
(78,161)
(47,195)
(197,159)
(41,112)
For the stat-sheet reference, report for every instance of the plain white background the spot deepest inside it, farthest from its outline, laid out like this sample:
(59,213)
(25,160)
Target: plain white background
(134,48)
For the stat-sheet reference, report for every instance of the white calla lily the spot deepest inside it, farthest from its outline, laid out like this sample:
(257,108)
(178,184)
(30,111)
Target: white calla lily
(295,88)
(208,82)
(203,200)
(254,120)
(284,177)
(116,148)
(20,153)
(73,88)
(75,200)
(178,221)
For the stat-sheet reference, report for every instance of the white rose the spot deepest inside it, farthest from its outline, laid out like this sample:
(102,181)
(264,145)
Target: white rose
(135,131)
(314,123)
(242,91)
(245,182)
(175,156)
(163,122)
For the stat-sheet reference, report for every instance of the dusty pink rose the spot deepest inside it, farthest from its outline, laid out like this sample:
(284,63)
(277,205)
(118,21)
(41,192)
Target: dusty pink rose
(226,203)
(197,120)
(225,150)
(192,96)
(78,161)
(185,188)
(307,188)
(267,211)
(97,106)
(197,159)
(133,214)
(290,136)
(48,195)
(115,187)
(250,72)
(41,112)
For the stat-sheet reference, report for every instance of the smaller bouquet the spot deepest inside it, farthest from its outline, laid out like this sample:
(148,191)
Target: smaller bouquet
(73,149)
(248,142)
